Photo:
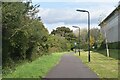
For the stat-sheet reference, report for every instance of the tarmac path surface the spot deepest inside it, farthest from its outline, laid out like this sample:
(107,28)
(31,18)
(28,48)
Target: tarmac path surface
(71,66)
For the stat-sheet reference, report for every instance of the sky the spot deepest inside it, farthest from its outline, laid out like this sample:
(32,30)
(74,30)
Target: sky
(57,13)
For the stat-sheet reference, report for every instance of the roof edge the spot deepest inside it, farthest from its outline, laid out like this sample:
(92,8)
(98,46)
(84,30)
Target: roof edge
(117,8)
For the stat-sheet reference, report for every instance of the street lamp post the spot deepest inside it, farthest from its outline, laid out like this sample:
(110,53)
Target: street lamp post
(75,47)
(88,32)
(78,37)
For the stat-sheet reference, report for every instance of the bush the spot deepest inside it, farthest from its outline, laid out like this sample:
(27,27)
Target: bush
(58,44)
(24,37)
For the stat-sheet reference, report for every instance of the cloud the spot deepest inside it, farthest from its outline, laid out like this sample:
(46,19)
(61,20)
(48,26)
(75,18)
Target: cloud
(70,16)
(57,15)
(50,27)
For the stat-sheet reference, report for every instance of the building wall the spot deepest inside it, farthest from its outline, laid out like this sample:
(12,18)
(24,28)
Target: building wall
(110,27)
(119,25)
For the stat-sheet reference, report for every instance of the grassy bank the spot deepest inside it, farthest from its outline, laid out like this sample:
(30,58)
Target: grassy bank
(104,67)
(37,68)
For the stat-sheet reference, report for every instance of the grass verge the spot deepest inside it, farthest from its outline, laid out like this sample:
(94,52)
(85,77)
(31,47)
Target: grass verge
(104,67)
(37,68)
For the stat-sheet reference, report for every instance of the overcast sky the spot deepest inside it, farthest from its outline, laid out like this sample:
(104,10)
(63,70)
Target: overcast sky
(56,13)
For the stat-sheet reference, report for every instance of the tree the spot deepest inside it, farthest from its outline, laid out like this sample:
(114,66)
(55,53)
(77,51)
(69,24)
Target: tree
(24,35)
(83,37)
(57,44)
(62,31)
(92,41)
(66,33)
(96,37)
(14,38)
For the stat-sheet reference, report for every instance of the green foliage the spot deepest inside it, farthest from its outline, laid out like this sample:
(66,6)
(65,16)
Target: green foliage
(13,35)
(57,43)
(36,69)
(62,31)
(25,38)
(83,38)
(24,35)
(92,41)
(96,38)
(65,34)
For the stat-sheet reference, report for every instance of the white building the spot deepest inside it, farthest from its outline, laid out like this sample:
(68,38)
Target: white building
(110,26)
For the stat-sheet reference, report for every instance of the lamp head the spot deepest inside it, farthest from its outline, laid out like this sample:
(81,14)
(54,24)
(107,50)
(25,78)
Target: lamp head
(81,10)
(75,26)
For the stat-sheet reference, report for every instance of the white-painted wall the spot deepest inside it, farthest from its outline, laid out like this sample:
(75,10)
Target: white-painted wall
(111,29)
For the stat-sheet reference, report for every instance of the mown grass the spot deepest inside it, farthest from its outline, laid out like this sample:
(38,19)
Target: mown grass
(104,67)
(37,68)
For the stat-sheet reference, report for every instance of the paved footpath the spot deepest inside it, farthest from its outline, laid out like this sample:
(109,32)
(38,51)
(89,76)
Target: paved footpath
(71,67)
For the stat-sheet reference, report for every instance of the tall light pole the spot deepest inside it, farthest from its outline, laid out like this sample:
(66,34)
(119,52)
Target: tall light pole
(78,37)
(75,47)
(88,32)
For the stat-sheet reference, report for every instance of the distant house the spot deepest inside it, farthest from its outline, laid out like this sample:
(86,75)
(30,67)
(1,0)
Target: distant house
(110,26)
